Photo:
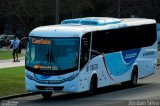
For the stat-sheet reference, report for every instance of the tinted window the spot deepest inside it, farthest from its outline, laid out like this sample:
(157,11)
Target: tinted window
(123,39)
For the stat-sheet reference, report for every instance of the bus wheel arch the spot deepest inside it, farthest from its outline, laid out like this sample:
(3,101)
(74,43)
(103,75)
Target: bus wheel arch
(93,84)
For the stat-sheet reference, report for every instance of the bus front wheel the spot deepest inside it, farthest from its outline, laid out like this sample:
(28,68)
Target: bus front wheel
(46,95)
(93,85)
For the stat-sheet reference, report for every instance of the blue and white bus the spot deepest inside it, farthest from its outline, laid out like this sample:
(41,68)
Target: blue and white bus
(84,54)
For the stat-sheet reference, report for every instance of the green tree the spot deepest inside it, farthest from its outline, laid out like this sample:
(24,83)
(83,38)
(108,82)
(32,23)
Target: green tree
(73,9)
(28,13)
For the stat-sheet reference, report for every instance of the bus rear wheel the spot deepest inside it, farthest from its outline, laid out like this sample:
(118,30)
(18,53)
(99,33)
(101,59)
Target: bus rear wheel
(134,77)
(46,95)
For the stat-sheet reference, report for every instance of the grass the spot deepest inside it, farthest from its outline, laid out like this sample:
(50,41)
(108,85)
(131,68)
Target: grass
(4,55)
(12,81)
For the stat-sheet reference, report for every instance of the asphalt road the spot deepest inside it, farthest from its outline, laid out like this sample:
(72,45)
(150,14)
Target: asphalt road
(147,93)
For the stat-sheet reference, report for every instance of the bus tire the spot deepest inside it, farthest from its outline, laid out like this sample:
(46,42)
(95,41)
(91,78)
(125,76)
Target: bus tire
(46,95)
(133,81)
(93,85)
(134,77)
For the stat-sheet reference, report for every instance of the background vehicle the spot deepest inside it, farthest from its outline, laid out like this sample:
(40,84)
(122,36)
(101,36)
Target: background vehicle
(3,40)
(88,53)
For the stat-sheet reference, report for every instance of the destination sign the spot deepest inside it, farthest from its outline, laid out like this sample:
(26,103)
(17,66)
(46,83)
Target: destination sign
(41,41)
(40,67)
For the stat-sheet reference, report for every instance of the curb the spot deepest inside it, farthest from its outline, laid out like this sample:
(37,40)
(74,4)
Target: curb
(18,95)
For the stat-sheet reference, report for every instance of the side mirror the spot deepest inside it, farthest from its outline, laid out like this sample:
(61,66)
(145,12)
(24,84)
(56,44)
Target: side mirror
(23,44)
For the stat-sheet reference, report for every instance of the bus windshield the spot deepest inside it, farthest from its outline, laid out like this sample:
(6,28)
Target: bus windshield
(52,54)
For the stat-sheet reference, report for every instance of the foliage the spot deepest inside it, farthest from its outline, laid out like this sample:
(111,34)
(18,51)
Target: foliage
(27,13)
(21,16)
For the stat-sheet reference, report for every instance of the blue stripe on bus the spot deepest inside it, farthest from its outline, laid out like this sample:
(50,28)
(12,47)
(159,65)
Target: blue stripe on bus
(104,61)
(118,64)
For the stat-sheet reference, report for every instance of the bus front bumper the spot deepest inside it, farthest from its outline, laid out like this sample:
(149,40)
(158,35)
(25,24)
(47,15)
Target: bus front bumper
(69,84)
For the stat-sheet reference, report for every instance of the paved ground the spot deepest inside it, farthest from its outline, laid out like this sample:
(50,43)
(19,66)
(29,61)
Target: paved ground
(9,63)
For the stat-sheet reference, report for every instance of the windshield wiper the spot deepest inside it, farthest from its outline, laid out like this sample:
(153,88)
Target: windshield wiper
(50,57)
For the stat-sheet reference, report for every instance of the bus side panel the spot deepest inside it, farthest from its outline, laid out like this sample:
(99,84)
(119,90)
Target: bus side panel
(147,61)
(119,70)
(98,66)
(95,66)
(111,68)
(117,67)
(84,79)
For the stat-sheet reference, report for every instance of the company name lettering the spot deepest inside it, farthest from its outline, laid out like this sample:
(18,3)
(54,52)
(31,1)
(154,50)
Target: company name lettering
(128,56)
(148,53)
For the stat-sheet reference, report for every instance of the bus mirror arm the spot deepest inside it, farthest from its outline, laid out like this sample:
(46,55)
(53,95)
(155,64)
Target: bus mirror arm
(22,44)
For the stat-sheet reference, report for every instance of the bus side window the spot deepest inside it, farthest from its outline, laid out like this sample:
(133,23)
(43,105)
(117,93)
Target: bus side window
(85,49)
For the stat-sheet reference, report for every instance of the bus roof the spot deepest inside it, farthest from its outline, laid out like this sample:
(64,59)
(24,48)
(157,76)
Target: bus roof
(77,27)
(94,21)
